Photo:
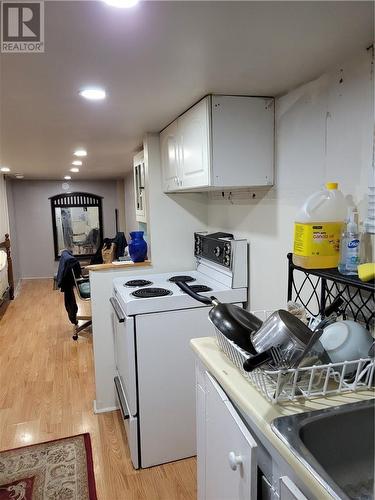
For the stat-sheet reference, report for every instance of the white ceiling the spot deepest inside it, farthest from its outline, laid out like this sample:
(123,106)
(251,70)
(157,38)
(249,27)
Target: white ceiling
(155,60)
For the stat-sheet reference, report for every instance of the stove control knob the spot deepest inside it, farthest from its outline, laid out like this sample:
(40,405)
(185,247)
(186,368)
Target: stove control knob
(217,251)
(227,248)
(197,244)
(227,260)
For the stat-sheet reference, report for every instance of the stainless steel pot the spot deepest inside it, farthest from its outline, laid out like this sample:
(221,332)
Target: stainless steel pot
(281,341)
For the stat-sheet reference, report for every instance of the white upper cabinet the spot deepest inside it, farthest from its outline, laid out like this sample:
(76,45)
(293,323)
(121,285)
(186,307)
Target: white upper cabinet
(221,142)
(193,130)
(140,188)
(169,147)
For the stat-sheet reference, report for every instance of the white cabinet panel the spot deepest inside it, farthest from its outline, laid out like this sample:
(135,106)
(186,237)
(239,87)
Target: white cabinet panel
(222,141)
(289,491)
(140,188)
(242,141)
(230,466)
(169,147)
(193,130)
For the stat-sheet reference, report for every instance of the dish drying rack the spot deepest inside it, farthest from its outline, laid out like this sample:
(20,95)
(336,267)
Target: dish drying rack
(315,290)
(307,382)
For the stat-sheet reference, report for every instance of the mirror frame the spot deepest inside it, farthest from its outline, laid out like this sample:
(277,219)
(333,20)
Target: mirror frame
(76,199)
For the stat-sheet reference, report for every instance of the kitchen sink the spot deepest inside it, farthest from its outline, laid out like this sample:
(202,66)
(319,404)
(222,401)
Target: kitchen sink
(336,445)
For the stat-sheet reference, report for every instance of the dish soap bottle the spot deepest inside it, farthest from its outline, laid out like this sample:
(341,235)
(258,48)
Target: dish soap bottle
(349,247)
(317,229)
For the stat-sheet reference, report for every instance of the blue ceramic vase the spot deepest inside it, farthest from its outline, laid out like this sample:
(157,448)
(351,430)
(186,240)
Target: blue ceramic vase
(137,246)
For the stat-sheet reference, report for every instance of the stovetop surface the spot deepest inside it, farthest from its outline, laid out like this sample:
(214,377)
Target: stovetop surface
(177,299)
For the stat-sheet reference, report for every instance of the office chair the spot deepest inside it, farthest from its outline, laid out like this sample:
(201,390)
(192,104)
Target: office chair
(82,289)
(75,287)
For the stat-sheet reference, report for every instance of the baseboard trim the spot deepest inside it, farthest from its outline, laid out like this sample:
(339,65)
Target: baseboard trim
(38,278)
(103,410)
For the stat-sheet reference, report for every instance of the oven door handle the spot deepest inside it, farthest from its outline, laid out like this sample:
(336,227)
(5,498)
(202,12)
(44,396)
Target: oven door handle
(116,306)
(122,400)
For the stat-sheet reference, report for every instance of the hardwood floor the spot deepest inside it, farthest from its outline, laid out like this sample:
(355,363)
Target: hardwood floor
(47,390)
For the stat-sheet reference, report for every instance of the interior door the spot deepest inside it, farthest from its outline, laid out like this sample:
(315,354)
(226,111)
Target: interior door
(170,157)
(194,133)
(231,468)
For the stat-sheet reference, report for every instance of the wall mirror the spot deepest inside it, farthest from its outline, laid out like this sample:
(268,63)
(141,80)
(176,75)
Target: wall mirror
(77,223)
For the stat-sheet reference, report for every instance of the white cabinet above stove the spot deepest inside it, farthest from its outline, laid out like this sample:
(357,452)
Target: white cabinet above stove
(220,142)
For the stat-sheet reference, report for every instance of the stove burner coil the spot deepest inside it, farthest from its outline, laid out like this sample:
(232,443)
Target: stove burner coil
(132,283)
(184,279)
(146,293)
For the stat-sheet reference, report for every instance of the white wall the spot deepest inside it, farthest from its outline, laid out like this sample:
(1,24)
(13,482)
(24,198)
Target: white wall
(32,221)
(323,132)
(4,218)
(173,218)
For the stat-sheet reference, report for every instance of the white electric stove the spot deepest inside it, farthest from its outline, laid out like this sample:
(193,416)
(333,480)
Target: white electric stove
(153,322)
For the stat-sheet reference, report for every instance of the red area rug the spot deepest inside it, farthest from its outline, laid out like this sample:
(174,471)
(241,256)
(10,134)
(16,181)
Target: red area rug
(55,470)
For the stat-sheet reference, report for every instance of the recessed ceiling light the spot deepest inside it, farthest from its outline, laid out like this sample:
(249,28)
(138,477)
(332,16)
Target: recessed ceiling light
(122,4)
(5,169)
(93,93)
(67,177)
(19,176)
(80,152)
(77,163)
(74,169)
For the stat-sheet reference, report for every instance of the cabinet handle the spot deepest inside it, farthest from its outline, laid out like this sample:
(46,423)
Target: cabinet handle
(234,460)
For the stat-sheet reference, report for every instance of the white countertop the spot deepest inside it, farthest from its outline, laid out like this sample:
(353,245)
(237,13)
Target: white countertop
(261,411)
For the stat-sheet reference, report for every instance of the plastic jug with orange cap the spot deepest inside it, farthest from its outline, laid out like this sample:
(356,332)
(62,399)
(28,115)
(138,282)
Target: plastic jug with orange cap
(317,229)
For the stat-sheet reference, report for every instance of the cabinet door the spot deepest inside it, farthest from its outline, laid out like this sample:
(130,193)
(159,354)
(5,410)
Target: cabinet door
(242,141)
(231,469)
(170,157)
(194,134)
(140,190)
(289,491)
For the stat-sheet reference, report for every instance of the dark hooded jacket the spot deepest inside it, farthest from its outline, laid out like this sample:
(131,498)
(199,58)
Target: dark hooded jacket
(65,281)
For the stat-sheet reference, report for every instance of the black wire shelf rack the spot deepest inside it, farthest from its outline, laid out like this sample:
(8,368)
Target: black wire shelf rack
(316,289)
